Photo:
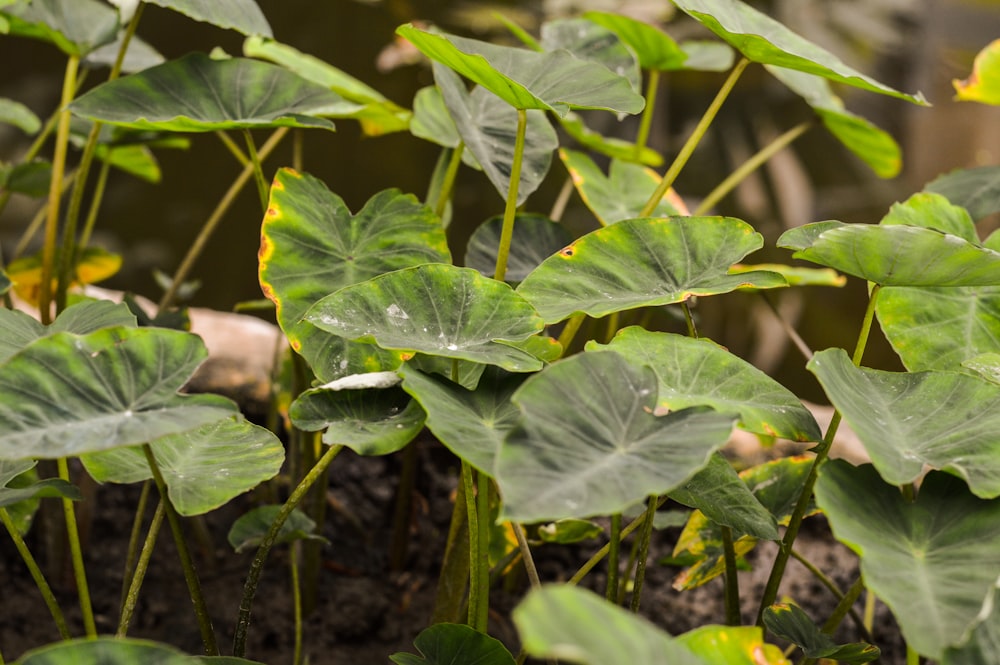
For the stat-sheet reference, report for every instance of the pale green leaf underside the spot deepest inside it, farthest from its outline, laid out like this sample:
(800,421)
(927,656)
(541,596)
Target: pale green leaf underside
(654,48)
(77,27)
(977,190)
(244,16)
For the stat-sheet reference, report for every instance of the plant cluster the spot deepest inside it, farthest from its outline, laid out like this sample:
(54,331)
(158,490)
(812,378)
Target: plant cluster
(390,337)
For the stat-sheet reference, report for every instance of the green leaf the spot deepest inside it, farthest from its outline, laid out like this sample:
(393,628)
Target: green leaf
(607,145)
(140,55)
(708,56)
(645,261)
(983,85)
(592,42)
(894,255)
(987,365)
(67,395)
(244,16)
(198,94)
(108,651)
(369,422)
(939,328)
(311,246)
(376,114)
(578,626)
(906,420)
(20,116)
(454,644)
(589,443)
(13,492)
(249,530)
(432,122)
(727,645)
(526,79)
(81,318)
(789,622)
(724,498)
(983,645)
(471,423)
(873,145)
(535,238)
(76,27)
(795,275)
(488,127)
(932,561)
(696,372)
(436,309)
(762,39)
(203,468)
(654,48)
(977,190)
(468,374)
(569,531)
(28,178)
(623,193)
(933,211)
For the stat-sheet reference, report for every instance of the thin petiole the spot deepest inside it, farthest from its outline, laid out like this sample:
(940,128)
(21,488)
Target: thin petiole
(510,208)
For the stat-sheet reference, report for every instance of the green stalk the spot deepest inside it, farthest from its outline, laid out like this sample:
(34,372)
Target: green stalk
(187,563)
(559,205)
(599,555)
(132,553)
(751,165)
(570,329)
(293,564)
(829,584)
(482,567)
(844,607)
(95,206)
(258,170)
(232,147)
(699,132)
(138,574)
(647,112)
(449,180)
(39,219)
(689,319)
(912,657)
(822,452)
(36,574)
(529,561)
(611,591)
(55,189)
(76,552)
(640,563)
(216,217)
(733,617)
(454,565)
(475,580)
(253,577)
(510,209)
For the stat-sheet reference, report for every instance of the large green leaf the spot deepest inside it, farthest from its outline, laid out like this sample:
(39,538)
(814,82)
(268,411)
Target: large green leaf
(471,423)
(376,114)
(932,561)
(203,468)
(983,645)
(788,621)
(945,420)
(241,15)
(654,48)
(940,328)
(369,422)
(895,255)
(436,309)
(455,644)
(525,79)
(732,645)
(589,443)
(977,190)
(645,261)
(77,27)
(590,41)
(693,372)
(198,94)
(535,238)
(873,145)
(578,626)
(762,39)
(488,127)
(311,246)
(623,193)
(20,329)
(67,395)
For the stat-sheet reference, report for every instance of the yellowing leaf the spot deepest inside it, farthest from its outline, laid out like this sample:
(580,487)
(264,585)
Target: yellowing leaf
(95,265)
(983,85)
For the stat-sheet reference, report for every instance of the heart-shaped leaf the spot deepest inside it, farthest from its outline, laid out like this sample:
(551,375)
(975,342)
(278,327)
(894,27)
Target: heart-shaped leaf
(645,261)
(977,190)
(77,27)
(471,423)
(488,127)
(654,48)
(525,79)
(203,468)
(452,643)
(590,41)
(311,246)
(789,622)
(891,415)
(983,85)
(578,626)
(535,238)
(894,255)
(249,530)
(198,94)
(105,651)
(732,645)
(695,372)
(67,395)
(369,422)
(589,444)
(873,145)
(762,39)
(241,15)
(939,328)
(623,193)
(436,309)
(944,544)
(21,329)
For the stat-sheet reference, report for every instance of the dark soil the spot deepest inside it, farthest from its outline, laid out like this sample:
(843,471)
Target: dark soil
(364,610)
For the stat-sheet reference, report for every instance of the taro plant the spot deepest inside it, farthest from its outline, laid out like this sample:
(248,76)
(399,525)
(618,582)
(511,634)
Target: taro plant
(543,364)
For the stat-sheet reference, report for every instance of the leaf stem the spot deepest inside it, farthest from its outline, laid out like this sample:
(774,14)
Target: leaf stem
(640,563)
(138,574)
(454,161)
(258,171)
(699,132)
(293,565)
(36,574)
(829,584)
(526,557)
(733,617)
(652,84)
(570,329)
(603,552)
(510,209)
(257,567)
(611,591)
(76,552)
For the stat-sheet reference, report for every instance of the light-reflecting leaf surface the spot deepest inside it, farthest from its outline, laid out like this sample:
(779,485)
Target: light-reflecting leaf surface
(369,422)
